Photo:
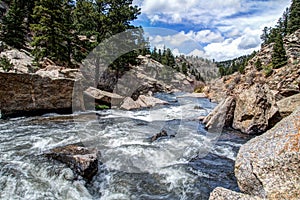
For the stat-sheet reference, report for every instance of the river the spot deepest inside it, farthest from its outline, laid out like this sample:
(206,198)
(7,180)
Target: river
(187,165)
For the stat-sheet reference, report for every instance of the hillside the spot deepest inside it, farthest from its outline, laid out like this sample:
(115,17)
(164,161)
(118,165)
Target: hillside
(199,68)
(284,80)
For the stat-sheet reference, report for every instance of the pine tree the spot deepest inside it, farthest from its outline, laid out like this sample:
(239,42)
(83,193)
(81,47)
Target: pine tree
(294,18)
(265,36)
(159,56)
(51,35)
(154,54)
(13,29)
(120,13)
(170,58)
(279,57)
(258,65)
(184,68)
(84,18)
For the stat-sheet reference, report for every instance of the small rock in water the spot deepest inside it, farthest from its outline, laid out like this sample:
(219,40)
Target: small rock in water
(198,108)
(161,134)
(81,160)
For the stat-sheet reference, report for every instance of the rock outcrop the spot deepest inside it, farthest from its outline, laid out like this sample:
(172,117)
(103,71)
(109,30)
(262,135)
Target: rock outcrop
(81,160)
(21,60)
(287,105)
(292,46)
(268,166)
(257,94)
(32,93)
(255,109)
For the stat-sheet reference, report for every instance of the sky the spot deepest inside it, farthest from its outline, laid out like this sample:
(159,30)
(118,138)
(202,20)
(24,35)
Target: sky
(213,29)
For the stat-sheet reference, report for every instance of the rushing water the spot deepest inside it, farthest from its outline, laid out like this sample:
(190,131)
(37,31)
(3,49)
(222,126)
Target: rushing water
(187,166)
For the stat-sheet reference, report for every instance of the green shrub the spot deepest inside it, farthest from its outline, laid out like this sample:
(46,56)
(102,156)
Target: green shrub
(5,64)
(268,70)
(258,65)
(101,107)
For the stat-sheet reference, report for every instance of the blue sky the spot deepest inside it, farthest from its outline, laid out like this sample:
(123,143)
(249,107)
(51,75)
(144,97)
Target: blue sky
(214,29)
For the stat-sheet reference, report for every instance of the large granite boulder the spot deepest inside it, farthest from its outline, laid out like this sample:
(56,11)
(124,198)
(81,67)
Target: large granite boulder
(81,160)
(34,94)
(255,110)
(269,165)
(222,115)
(225,194)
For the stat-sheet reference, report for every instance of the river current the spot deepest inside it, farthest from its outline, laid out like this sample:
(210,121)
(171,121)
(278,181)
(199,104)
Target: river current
(188,164)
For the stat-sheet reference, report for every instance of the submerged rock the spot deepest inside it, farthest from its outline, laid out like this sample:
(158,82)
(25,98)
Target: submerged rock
(159,135)
(81,160)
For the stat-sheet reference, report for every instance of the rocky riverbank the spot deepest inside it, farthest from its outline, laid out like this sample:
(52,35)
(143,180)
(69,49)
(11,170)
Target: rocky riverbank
(256,103)
(28,91)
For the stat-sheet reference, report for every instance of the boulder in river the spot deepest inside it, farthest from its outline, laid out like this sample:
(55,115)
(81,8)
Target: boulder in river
(142,102)
(30,94)
(255,110)
(103,97)
(161,134)
(222,115)
(81,160)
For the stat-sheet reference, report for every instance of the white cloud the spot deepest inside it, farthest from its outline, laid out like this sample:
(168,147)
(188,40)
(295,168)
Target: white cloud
(179,39)
(176,52)
(232,48)
(199,53)
(229,28)
(205,36)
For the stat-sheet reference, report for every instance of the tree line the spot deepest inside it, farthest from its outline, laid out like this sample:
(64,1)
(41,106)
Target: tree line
(235,65)
(65,31)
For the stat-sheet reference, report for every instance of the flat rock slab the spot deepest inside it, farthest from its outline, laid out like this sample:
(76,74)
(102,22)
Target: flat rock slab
(81,160)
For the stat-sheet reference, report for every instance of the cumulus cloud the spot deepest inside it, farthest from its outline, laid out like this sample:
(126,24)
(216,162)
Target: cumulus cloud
(205,36)
(221,29)
(232,48)
(199,53)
